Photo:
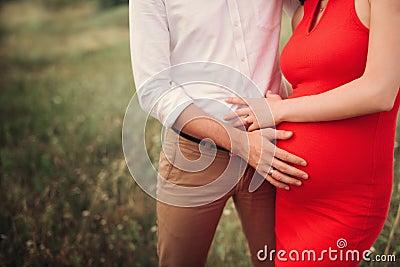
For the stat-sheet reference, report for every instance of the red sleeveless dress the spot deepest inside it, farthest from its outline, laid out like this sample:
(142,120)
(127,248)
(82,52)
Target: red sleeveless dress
(344,204)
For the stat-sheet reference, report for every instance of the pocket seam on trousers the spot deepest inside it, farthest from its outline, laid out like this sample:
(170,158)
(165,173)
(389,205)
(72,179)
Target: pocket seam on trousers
(163,157)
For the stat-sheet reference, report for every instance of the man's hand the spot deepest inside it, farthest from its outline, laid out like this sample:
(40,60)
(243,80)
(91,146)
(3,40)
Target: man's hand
(256,147)
(259,152)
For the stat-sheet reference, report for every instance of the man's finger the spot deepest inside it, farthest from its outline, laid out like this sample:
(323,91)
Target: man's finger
(289,157)
(287,169)
(283,178)
(283,135)
(268,133)
(276,183)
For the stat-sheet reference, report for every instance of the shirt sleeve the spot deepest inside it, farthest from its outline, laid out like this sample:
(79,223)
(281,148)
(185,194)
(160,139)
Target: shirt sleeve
(150,55)
(290,6)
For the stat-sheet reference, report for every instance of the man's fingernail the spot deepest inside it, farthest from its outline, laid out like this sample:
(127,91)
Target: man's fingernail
(305,176)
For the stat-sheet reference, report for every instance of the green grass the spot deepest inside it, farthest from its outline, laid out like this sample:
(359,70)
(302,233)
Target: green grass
(66,197)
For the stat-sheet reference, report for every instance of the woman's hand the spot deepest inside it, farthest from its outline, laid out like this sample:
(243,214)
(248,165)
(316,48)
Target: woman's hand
(259,113)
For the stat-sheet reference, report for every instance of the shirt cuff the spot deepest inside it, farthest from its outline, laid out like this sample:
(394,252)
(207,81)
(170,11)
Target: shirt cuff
(171,105)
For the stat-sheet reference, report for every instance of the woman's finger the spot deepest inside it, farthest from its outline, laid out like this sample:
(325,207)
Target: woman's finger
(230,116)
(241,112)
(236,100)
(244,121)
(239,123)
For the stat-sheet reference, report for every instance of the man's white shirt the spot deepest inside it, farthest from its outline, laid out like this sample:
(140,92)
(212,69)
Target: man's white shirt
(242,34)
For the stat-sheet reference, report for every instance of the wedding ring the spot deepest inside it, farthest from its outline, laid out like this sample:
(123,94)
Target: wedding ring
(271,171)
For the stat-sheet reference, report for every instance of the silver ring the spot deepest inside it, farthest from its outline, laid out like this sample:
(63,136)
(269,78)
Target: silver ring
(246,120)
(271,171)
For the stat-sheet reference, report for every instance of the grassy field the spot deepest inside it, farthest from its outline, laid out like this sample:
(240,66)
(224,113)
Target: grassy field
(66,197)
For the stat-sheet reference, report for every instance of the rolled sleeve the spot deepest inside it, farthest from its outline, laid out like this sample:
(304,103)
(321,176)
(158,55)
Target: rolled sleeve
(159,98)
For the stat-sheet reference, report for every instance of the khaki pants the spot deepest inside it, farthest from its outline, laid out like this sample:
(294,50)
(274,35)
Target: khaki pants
(185,233)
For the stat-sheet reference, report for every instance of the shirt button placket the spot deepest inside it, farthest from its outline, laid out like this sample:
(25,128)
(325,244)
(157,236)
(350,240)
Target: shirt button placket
(238,37)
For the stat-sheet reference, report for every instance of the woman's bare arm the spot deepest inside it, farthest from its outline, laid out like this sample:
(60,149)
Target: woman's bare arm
(297,17)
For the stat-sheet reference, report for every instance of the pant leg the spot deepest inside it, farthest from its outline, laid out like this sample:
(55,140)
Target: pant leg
(257,214)
(185,233)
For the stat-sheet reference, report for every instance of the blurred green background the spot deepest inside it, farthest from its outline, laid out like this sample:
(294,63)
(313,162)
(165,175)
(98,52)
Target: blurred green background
(66,197)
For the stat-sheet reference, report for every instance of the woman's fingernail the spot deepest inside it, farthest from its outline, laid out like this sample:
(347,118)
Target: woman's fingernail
(288,134)
(298,183)
(303,163)
(305,176)
(287,188)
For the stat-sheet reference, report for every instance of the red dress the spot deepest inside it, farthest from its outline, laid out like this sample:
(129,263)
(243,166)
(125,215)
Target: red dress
(350,162)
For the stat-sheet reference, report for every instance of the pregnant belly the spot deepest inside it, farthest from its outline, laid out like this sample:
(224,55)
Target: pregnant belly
(339,153)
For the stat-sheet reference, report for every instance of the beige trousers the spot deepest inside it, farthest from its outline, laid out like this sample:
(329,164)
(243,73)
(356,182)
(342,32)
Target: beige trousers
(185,233)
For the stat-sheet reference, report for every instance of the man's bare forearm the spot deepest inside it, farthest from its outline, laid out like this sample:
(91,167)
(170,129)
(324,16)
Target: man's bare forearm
(195,122)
